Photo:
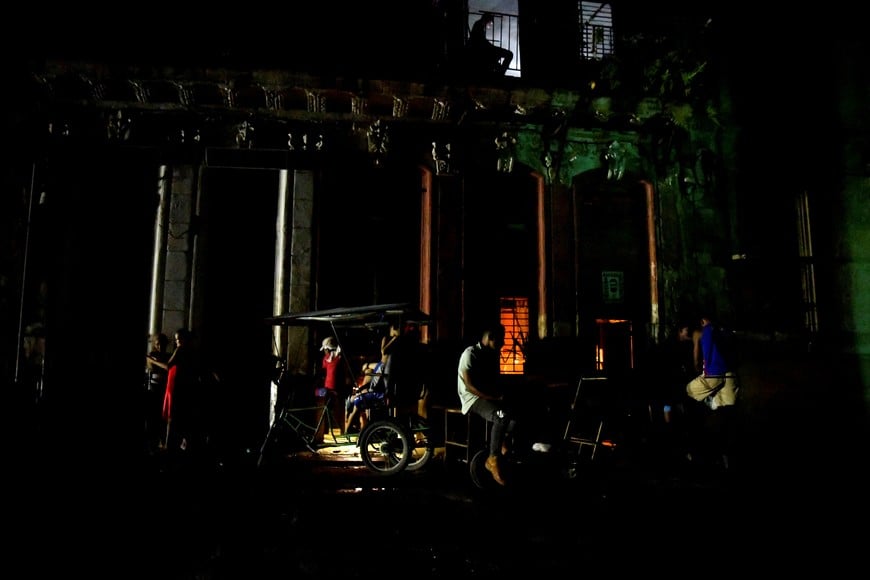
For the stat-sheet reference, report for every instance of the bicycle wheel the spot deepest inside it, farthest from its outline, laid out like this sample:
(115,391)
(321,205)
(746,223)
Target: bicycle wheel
(423,449)
(385,447)
(480,476)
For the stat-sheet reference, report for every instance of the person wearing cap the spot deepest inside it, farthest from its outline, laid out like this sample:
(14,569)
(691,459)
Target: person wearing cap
(328,392)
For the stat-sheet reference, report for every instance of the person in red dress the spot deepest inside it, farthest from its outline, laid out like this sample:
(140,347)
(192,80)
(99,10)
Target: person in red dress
(182,398)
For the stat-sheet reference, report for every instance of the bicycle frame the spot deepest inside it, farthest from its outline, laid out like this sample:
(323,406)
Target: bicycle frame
(293,417)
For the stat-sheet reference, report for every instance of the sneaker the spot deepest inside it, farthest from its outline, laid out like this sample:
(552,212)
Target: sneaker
(492,467)
(541,447)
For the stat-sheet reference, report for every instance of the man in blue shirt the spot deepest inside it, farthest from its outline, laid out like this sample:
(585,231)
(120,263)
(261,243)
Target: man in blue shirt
(716,388)
(716,385)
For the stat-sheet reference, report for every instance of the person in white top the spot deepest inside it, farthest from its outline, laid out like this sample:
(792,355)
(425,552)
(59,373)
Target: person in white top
(480,392)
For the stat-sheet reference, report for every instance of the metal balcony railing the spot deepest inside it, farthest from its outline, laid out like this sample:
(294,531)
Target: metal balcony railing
(505,33)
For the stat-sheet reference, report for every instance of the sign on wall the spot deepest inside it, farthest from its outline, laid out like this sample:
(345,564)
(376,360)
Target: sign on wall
(611,286)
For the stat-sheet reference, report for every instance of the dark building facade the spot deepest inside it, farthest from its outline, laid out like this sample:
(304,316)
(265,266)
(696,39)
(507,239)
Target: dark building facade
(210,177)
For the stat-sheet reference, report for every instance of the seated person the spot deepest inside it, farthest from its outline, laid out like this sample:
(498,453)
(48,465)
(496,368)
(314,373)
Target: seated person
(368,394)
(485,59)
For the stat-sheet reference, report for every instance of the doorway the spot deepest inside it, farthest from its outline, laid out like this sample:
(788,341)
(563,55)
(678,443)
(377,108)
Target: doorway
(613,270)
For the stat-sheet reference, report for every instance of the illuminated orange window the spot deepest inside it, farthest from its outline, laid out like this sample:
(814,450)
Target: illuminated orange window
(514,315)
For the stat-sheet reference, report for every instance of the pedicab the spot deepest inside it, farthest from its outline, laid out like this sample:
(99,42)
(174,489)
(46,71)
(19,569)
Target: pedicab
(396,438)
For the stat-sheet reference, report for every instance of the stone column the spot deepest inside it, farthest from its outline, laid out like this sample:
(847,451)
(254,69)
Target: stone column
(158,270)
(292,290)
(300,282)
(178,280)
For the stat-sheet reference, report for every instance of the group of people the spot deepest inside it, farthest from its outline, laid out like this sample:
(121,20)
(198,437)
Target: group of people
(714,389)
(371,388)
(174,411)
(175,405)
(174,385)
(398,374)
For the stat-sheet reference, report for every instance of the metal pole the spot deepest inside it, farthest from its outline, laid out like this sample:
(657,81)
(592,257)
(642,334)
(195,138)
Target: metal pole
(24,274)
(651,219)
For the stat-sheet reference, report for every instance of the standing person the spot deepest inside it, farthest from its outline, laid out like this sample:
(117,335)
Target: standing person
(330,391)
(155,390)
(181,401)
(480,393)
(716,384)
(403,365)
(389,341)
(487,59)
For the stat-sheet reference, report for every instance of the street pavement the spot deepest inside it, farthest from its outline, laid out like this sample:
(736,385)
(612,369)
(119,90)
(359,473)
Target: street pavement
(327,516)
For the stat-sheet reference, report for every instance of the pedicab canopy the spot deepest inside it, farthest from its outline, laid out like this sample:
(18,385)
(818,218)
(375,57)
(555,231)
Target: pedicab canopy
(372,316)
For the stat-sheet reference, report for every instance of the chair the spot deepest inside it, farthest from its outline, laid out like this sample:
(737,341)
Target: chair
(586,420)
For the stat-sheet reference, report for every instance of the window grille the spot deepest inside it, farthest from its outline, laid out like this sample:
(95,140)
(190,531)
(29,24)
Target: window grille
(505,32)
(596,30)
(807,264)
(514,315)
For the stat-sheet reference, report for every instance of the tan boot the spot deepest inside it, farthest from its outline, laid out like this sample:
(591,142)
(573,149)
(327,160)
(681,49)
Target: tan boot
(492,467)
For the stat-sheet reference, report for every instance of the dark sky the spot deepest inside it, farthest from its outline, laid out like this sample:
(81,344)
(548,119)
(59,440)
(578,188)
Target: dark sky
(163,31)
